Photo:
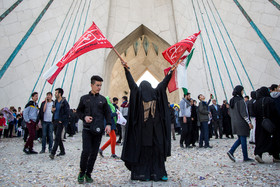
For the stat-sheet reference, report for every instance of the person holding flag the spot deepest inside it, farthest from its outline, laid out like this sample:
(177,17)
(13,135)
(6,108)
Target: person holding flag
(147,143)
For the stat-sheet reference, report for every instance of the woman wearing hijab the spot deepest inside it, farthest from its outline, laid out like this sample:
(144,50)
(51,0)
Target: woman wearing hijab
(147,142)
(241,123)
(265,142)
(112,140)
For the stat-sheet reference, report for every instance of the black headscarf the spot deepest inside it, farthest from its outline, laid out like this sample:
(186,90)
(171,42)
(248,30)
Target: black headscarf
(237,96)
(147,92)
(254,95)
(263,92)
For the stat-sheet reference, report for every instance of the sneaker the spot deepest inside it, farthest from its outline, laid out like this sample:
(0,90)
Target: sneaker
(61,154)
(81,178)
(114,156)
(200,146)
(51,156)
(248,160)
(26,151)
(230,155)
(42,151)
(189,146)
(164,178)
(259,159)
(276,160)
(100,153)
(181,145)
(88,178)
(32,152)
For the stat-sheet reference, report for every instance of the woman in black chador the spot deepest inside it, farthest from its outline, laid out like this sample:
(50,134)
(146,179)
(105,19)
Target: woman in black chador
(147,141)
(266,142)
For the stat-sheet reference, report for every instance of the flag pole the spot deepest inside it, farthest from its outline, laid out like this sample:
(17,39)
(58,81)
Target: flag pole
(122,61)
(174,66)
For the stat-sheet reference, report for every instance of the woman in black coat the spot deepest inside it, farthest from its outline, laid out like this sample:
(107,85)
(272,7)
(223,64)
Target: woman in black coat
(266,142)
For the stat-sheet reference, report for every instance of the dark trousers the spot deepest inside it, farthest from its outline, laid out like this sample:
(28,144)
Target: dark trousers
(91,143)
(10,129)
(218,124)
(186,134)
(204,134)
(58,127)
(25,134)
(6,132)
(71,128)
(1,133)
(119,130)
(32,131)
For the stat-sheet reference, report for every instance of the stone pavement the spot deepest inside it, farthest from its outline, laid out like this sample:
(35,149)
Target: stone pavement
(186,167)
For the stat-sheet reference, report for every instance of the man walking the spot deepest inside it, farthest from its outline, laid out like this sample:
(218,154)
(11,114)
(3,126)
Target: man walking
(93,109)
(217,120)
(60,119)
(185,120)
(30,117)
(45,115)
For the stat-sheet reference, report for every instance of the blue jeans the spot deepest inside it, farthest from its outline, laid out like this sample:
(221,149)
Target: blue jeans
(243,141)
(204,134)
(47,128)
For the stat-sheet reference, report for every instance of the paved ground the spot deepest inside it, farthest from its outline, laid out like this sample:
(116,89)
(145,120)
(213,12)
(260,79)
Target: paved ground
(186,167)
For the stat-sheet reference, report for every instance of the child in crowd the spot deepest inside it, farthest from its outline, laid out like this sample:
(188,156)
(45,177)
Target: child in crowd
(2,124)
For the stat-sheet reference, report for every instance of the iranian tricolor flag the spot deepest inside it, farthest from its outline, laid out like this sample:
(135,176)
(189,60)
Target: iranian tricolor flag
(179,76)
(90,40)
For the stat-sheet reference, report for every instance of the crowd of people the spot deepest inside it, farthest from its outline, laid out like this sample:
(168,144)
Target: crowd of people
(151,121)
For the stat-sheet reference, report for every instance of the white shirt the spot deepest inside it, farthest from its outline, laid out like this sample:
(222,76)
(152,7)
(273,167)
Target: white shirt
(48,113)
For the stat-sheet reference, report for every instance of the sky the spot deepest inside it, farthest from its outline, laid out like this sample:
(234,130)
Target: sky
(148,77)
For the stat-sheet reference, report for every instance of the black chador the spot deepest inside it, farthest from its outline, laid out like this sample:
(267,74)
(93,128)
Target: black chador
(148,135)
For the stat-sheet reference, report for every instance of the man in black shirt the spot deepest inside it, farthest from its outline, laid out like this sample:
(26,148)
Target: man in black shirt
(93,109)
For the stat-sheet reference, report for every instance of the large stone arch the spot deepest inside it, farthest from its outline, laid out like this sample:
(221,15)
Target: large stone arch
(142,50)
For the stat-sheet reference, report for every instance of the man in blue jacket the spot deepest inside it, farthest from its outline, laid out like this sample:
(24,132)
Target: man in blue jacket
(60,119)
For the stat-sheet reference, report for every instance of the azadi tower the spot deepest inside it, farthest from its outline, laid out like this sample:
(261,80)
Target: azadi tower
(239,44)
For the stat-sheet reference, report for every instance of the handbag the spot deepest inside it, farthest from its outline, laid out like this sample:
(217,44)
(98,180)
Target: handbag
(95,128)
(267,123)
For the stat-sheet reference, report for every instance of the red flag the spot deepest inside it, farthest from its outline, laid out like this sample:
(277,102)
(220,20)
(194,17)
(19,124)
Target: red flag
(172,86)
(174,52)
(90,40)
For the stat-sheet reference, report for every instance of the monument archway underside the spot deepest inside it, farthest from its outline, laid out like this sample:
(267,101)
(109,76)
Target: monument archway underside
(142,51)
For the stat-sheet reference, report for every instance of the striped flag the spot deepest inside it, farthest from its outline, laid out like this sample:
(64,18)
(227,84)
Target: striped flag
(179,76)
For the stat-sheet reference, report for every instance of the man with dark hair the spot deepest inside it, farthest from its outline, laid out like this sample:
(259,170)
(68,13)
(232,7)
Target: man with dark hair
(92,109)
(217,120)
(45,115)
(203,116)
(60,111)
(246,99)
(30,114)
(273,88)
(124,111)
(185,120)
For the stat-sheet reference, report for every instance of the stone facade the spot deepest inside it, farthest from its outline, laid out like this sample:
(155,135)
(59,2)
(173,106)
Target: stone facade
(125,23)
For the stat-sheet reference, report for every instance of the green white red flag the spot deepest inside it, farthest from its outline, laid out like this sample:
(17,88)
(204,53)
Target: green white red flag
(179,77)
